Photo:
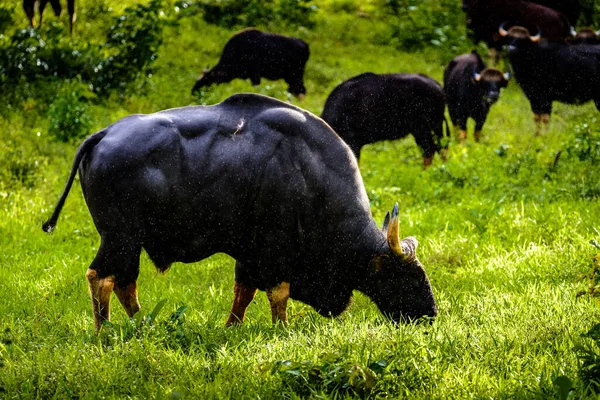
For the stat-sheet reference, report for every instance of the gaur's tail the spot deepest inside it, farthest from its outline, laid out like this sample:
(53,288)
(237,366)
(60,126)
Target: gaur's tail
(83,149)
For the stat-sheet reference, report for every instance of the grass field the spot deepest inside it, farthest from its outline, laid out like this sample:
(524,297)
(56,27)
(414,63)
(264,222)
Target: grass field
(504,232)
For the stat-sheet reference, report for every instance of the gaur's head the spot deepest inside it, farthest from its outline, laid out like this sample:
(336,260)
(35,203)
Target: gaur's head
(397,282)
(488,83)
(518,37)
(584,36)
(207,78)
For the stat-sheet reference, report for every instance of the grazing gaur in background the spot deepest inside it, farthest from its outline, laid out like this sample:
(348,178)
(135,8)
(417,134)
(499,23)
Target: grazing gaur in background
(485,16)
(29,7)
(585,36)
(252,54)
(471,89)
(263,181)
(552,72)
(371,107)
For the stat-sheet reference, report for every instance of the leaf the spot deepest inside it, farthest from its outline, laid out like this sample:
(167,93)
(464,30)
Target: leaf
(378,366)
(563,386)
(178,313)
(137,319)
(154,313)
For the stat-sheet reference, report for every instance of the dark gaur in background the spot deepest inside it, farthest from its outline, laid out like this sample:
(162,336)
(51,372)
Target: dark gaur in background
(370,107)
(552,71)
(570,8)
(585,36)
(252,54)
(29,7)
(471,89)
(263,181)
(485,16)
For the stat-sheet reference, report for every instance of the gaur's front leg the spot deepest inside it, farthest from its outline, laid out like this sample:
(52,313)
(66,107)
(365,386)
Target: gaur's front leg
(242,297)
(278,298)
(128,296)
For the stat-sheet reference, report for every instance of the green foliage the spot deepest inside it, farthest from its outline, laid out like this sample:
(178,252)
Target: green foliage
(34,58)
(589,357)
(69,113)
(132,44)
(415,24)
(332,374)
(6,17)
(244,13)
(586,144)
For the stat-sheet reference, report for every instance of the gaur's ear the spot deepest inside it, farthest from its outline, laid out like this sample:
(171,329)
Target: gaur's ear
(476,77)
(409,246)
(386,222)
(393,233)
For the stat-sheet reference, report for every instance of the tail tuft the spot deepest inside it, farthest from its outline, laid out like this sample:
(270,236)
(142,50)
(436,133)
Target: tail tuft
(49,226)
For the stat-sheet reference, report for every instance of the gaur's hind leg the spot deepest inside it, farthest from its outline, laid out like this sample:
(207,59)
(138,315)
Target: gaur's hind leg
(115,267)
(429,145)
(242,297)
(542,121)
(278,298)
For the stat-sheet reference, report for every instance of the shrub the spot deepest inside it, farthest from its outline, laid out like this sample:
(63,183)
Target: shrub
(415,24)
(586,144)
(243,13)
(69,113)
(48,54)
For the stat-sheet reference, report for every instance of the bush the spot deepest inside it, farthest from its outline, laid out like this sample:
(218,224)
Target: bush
(69,113)
(415,24)
(48,54)
(243,13)
(586,145)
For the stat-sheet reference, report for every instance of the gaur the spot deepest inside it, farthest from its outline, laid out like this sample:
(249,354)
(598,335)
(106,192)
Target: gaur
(253,54)
(471,89)
(253,177)
(371,107)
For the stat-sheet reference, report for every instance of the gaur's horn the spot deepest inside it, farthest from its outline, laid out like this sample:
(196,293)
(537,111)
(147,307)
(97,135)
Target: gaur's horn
(537,37)
(507,76)
(393,233)
(476,77)
(386,222)
(573,32)
(501,30)
(597,32)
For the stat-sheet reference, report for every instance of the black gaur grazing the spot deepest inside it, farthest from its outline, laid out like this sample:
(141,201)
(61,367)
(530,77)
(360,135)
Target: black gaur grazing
(552,72)
(471,89)
(252,54)
(371,107)
(263,181)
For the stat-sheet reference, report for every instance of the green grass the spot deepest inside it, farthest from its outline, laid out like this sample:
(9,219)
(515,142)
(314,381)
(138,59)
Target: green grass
(503,236)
